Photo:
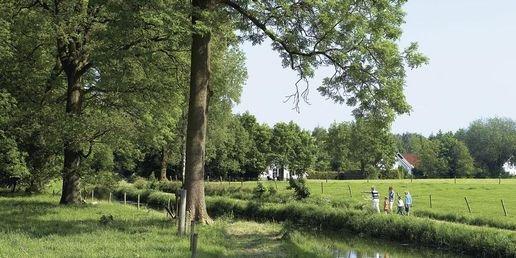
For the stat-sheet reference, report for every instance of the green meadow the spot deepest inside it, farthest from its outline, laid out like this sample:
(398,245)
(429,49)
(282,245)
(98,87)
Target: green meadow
(36,226)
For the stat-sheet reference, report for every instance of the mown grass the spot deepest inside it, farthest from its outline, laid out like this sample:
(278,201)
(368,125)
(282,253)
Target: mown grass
(36,226)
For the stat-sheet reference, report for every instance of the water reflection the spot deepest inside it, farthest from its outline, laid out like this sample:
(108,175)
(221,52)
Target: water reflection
(357,254)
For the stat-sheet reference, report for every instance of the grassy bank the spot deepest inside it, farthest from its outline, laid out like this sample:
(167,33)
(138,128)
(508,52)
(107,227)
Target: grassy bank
(477,241)
(37,226)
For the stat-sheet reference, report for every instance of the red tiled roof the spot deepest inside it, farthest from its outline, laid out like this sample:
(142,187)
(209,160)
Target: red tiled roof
(412,159)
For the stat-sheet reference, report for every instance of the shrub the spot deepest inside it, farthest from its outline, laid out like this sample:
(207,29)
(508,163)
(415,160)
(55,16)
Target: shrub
(259,191)
(140,183)
(272,190)
(299,187)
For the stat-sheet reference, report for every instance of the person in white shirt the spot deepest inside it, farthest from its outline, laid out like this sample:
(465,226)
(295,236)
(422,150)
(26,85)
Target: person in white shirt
(375,196)
(401,206)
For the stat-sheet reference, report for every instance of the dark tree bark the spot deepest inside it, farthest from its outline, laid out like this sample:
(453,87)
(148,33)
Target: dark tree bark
(72,152)
(197,118)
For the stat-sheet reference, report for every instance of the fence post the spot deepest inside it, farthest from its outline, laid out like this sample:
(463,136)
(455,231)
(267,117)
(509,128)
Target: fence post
(241,182)
(138,201)
(430,201)
(504,210)
(455,180)
(499,180)
(194,245)
(349,188)
(467,203)
(322,187)
(192,232)
(92,194)
(110,196)
(125,198)
(182,213)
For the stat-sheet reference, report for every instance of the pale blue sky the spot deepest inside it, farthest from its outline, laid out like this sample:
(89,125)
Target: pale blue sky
(472,49)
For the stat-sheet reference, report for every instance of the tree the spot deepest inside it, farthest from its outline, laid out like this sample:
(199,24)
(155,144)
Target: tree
(492,142)
(357,39)
(339,148)
(107,58)
(322,155)
(459,162)
(292,148)
(257,158)
(432,165)
(372,146)
(12,161)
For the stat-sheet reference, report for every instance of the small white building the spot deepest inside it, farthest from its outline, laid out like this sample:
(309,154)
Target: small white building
(274,172)
(509,168)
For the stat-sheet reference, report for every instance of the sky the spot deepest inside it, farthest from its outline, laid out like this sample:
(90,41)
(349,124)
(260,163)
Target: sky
(471,75)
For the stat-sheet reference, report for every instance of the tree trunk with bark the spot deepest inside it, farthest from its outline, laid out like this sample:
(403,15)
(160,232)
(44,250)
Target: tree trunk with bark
(72,151)
(164,163)
(197,118)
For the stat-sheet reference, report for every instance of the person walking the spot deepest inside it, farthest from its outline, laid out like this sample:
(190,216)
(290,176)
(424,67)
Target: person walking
(408,202)
(375,198)
(391,197)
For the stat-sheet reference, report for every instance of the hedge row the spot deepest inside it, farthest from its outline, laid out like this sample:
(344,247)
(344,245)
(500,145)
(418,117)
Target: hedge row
(485,242)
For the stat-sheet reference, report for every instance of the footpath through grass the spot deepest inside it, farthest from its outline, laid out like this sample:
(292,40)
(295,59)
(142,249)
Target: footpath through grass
(37,226)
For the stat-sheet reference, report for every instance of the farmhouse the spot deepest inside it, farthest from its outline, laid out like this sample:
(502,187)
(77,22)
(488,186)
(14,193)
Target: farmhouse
(274,172)
(406,161)
(510,167)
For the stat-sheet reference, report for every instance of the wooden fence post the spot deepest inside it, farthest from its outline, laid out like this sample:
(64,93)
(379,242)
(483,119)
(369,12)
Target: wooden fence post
(467,203)
(322,187)
(138,201)
(194,245)
(110,196)
(349,188)
(182,213)
(92,194)
(430,201)
(499,180)
(504,210)
(125,198)
(192,232)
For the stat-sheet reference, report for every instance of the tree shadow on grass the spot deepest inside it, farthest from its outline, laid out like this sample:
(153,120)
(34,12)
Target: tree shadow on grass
(39,218)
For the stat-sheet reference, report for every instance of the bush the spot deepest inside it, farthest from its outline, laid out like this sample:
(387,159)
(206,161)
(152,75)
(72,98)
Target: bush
(259,191)
(300,189)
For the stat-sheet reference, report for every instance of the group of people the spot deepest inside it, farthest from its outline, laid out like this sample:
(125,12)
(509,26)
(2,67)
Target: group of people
(403,205)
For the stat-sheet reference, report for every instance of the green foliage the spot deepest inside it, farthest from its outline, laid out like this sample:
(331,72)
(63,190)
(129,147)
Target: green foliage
(372,146)
(292,148)
(259,190)
(491,142)
(301,191)
(106,219)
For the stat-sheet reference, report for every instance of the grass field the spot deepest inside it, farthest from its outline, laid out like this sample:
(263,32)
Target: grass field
(37,226)
(484,195)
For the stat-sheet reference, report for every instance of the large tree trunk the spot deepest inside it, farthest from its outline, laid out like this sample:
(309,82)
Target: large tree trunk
(72,151)
(197,118)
